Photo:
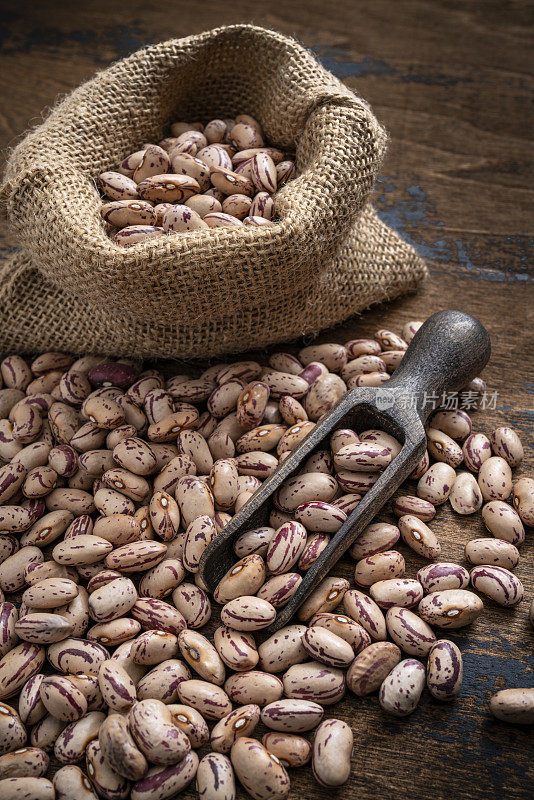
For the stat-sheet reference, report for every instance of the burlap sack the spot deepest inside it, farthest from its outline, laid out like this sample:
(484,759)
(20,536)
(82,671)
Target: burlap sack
(207,292)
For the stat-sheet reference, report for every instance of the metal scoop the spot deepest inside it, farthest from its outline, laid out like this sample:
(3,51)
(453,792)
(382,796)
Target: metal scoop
(447,352)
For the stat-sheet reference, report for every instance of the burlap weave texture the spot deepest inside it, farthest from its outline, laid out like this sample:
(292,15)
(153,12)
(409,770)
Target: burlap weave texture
(205,292)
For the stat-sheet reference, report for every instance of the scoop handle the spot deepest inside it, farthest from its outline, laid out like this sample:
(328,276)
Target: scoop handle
(446,353)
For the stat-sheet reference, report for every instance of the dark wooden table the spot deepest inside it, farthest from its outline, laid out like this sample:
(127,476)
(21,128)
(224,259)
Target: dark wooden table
(452,83)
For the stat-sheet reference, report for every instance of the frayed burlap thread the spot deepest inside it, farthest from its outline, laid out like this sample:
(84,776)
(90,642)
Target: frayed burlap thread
(208,292)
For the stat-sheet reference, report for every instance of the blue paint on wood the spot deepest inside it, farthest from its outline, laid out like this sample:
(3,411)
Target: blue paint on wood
(410,212)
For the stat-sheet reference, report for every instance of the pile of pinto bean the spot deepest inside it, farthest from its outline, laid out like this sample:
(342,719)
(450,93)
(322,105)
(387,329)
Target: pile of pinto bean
(221,175)
(113,656)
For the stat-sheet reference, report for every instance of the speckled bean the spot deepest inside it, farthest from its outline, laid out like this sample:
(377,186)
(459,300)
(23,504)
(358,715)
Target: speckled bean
(514,706)
(498,584)
(379,567)
(465,496)
(506,443)
(409,631)
(244,578)
(442,575)
(524,500)
(444,670)
(492,552)
(366,613)
(215,778)
(315,682)
(401,690)
(70,745)
(495,479)
(417,535)
(371,667)
(210,700)
(476,450)
(332,750)
(450,608)
(408,504)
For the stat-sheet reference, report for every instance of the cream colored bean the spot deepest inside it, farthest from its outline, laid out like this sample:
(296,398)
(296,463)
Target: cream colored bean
(285,547)
(292,715)
(113,600)
(290,749)
(63,699)
(70,781)
(408,504)
(27,787)
(151,725)
(47,529)
(105,780)
(162,682)
(409,632)
(26,762)
(503,521)
(202,656)
(160,581)
(283,649)
(444,448)
(73,656)
(419,537)
(136,556)
(255,541)
(495,479)
(315,682)
(12,731)
(43,628)
(326,597)
(81,550)
(194,499)
(238,723)
(498,584)
(403,592)
(303,488)
(476,450)
(71,743)
(514,706)
(119,748)
(200,532)
(279,589)
(45,732)
(159,615)
(326,647)
(50,592)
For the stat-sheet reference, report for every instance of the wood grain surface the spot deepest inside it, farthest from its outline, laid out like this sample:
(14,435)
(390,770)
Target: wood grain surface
(452,82)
